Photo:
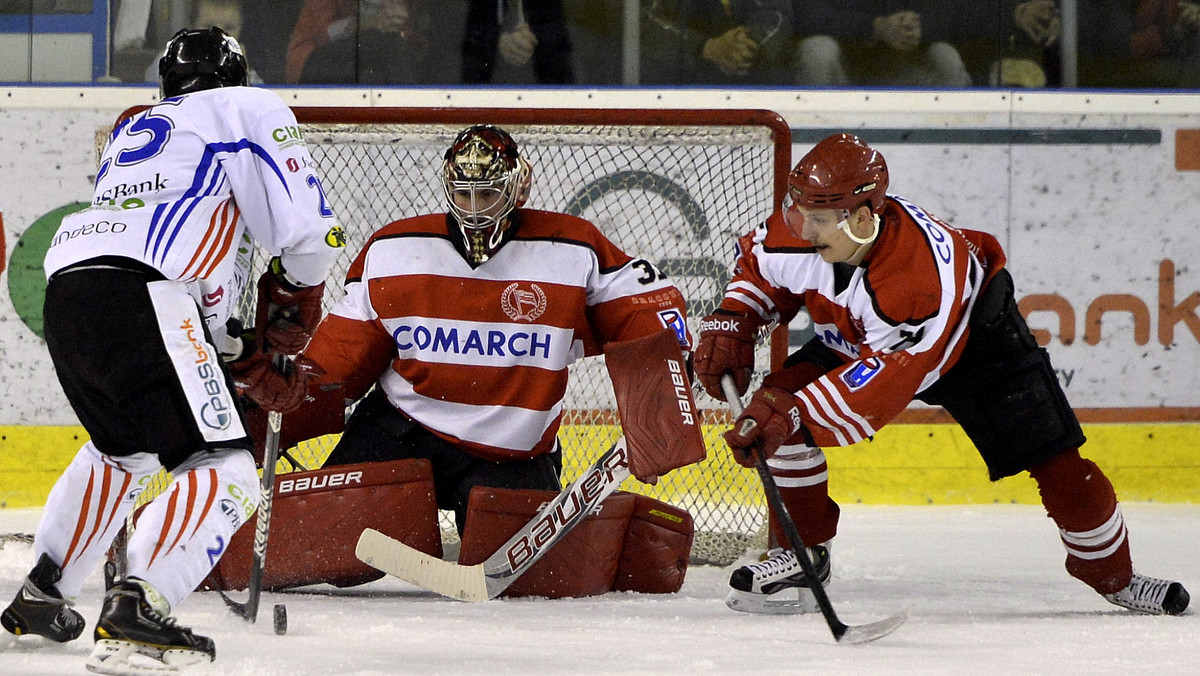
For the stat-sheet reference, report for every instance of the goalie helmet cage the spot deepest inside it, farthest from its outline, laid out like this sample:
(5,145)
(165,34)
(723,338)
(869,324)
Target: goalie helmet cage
(675,187)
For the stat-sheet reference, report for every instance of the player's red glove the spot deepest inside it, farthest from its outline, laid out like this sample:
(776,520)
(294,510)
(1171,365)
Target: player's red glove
(726,346)
(287,314)
(257,378)
(772,416)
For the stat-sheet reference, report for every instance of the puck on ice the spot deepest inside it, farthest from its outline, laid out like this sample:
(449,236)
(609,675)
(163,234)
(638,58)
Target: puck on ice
(280,619)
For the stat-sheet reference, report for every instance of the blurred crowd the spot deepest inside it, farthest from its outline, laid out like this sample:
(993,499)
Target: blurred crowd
(760,43)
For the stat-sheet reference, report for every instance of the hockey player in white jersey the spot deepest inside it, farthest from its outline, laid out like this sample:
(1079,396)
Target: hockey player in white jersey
(138,294)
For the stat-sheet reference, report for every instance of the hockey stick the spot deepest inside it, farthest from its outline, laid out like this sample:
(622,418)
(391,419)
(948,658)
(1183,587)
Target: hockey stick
(842,632)
(486,580)
(249,610)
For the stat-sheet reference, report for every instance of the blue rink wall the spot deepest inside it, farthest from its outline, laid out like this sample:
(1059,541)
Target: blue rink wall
(1093,196)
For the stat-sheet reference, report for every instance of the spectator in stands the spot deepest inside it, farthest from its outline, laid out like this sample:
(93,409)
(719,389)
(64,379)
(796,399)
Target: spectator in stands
(716,42)
(1011,43)
(224,14)
(1139,43)
(878,43)
(504,37)
(362,42)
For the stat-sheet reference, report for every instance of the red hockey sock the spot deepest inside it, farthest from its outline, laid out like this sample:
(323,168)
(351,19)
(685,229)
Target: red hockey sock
(803,479)
(1081,501)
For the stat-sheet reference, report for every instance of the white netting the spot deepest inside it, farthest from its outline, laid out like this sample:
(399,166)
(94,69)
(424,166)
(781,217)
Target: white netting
(678,195)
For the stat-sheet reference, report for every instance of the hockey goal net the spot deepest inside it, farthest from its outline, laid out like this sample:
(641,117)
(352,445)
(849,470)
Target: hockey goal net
(674,187)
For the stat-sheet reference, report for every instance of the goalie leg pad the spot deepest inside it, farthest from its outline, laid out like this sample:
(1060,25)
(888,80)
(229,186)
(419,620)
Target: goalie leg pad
(318,515)
(584,563)
(658,544)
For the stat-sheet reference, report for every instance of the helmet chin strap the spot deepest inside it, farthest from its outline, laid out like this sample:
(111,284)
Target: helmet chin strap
(863,243)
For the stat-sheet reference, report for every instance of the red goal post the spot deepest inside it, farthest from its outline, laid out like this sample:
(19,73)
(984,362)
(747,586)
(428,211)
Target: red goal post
(676,187)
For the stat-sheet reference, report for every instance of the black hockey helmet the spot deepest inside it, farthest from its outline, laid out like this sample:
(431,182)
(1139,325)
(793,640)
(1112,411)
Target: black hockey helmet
(199,59)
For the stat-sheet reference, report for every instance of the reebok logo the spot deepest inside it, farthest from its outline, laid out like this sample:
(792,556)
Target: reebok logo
(731,325)
(797,421)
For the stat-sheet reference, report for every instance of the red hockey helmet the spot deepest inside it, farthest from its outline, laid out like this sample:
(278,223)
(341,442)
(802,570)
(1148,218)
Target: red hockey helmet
(840,172)
(485,179)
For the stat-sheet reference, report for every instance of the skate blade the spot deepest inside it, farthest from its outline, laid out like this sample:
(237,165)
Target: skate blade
(796,601)
(124,658)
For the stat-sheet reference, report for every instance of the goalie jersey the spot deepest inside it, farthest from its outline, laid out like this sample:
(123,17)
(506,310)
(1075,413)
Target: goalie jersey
(479,356)
(898,320)
(181,183)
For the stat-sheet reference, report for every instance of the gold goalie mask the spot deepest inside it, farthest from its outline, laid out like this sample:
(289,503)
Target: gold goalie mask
(485,179)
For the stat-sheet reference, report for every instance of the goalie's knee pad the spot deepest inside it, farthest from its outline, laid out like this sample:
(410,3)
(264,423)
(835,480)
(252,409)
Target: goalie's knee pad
(318,515)
(583,563)
(658,544)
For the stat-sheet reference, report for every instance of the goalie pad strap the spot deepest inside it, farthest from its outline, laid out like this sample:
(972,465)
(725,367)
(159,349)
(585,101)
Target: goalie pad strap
(318,515)
(654,399)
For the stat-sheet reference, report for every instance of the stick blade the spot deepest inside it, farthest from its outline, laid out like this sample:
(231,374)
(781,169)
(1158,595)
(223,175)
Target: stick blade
(465,583)
(865,633)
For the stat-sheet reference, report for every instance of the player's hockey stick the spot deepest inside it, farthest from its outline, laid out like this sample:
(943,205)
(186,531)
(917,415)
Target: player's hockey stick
(486,580)
(842,632)
(249,610)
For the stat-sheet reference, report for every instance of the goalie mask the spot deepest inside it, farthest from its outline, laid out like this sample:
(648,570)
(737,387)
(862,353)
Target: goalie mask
(196,60)
(485,179)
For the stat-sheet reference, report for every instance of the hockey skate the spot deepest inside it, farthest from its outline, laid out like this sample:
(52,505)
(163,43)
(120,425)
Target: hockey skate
(1152,596)
(133,638)
(40,609)
(777,585)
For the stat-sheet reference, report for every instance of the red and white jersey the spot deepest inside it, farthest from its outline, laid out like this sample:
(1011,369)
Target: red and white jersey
(479,356)
(899,320)
(180,183)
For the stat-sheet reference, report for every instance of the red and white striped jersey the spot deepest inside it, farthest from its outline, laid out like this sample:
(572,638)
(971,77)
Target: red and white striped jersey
(899,320)
(479,356)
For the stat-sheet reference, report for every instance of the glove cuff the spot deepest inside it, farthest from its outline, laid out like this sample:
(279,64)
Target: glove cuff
(283,279)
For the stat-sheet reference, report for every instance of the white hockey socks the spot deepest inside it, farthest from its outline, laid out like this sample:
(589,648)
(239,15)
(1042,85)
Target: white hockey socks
(87,508)
(183,532)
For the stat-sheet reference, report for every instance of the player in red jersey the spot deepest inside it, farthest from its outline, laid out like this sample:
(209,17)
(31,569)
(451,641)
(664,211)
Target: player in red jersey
(904,307)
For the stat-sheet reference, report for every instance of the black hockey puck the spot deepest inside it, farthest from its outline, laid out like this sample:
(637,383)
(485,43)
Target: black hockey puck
(280,619)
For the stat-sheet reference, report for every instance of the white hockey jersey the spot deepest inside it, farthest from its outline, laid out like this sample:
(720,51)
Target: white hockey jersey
(479,356)
(182,182)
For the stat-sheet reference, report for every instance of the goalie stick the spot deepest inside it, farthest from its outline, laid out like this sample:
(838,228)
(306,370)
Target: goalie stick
(249,609)
(484,581)
(842,632)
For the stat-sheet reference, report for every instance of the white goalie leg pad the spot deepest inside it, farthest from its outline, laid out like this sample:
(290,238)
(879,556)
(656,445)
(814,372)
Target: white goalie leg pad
(183,532)
(87,508)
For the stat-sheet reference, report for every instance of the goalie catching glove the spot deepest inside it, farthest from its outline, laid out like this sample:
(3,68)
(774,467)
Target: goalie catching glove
(287,313)
(771,418)
(258,379)
(726,346)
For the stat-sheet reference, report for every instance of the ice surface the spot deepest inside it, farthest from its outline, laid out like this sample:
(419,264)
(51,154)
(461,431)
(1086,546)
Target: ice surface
(984,586)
